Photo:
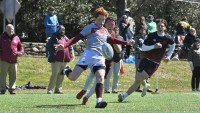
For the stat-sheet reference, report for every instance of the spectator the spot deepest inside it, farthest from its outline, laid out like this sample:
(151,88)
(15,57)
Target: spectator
(58,59)
(115,65)
(154,48)
(131,29)
(127,34)
(10,49)
(183,27)
(194,63)
(130,19)
(142,23)
(123,26)
(189,39)
(151,25)
(127,28)
(50,24)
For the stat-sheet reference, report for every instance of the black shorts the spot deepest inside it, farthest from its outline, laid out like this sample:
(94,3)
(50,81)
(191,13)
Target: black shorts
(148,66)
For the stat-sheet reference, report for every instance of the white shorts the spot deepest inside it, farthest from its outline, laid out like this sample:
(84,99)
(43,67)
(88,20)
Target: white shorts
(91,59)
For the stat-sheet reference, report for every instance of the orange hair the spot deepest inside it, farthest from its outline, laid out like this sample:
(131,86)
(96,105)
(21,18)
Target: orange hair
(100,11)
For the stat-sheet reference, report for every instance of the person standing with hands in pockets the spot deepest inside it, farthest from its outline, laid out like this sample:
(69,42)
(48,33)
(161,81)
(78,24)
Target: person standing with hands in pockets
(10,49)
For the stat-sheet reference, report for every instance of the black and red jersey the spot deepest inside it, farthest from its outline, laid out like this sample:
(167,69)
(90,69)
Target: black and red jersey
(156,55)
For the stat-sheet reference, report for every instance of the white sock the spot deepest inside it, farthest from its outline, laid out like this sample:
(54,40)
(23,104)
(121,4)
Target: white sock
(99,100)
(64,71)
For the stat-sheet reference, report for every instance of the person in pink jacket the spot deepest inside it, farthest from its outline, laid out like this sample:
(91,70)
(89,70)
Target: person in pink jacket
(10,49)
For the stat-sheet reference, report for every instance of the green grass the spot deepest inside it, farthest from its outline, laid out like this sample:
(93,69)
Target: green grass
(36,101)
(174,85)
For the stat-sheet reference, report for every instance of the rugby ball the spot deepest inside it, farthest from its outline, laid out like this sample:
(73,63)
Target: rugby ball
(107,51)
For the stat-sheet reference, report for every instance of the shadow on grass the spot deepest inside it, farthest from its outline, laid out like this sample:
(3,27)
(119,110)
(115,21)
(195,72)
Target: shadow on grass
(60,106)
(120,102)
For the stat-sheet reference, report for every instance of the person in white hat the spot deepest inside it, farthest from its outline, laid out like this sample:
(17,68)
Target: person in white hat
(127,28)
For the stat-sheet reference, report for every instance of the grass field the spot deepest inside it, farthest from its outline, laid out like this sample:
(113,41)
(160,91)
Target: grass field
(174,85)
(32,101)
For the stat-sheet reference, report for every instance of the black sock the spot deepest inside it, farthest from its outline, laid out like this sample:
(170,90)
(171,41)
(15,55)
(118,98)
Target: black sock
(68,71)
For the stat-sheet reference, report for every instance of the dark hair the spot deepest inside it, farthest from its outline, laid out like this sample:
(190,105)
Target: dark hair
(60,27)
(184,19)
(110,18)
(51,8)
(197,40)
(161,21)
(124,17)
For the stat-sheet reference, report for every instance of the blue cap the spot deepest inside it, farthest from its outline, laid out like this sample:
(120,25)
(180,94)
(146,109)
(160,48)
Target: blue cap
(150,16)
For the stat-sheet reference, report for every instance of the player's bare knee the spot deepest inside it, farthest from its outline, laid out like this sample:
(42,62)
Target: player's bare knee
(99,80)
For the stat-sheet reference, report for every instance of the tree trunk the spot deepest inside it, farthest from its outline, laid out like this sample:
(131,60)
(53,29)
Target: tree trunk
(121,5)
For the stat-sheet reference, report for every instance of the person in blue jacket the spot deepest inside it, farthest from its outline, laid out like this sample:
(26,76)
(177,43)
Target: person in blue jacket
(50,23)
